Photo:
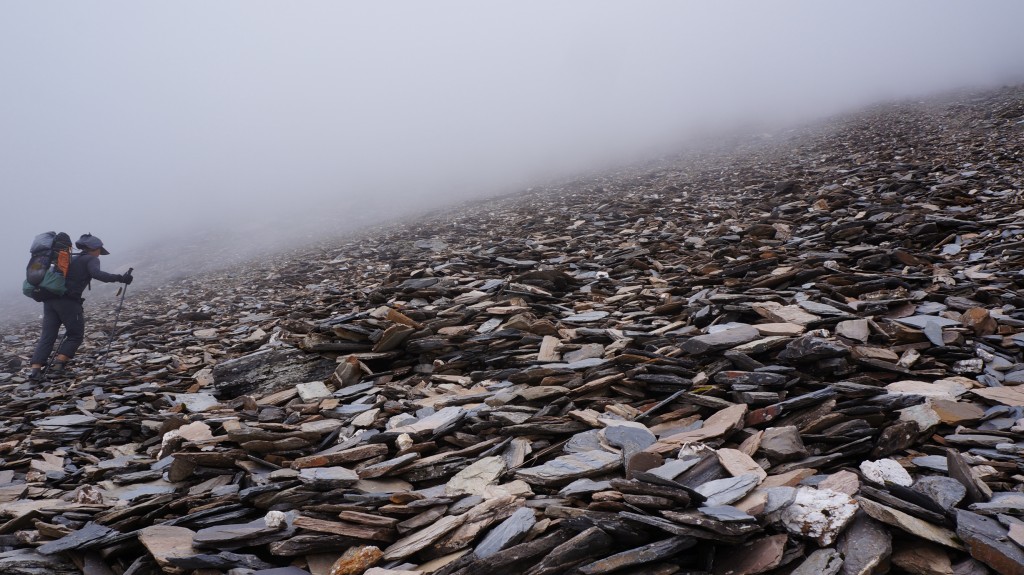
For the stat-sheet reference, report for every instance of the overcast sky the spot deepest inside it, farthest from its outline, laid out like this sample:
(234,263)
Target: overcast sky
(138,120)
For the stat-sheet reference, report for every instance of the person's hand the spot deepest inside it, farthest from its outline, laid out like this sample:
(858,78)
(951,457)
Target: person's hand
(126,279)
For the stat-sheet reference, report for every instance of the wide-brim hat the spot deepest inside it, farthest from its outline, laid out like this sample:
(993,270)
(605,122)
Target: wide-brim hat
(91,242)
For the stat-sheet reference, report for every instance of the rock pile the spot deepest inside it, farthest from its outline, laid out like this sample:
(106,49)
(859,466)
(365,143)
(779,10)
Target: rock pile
(802,357)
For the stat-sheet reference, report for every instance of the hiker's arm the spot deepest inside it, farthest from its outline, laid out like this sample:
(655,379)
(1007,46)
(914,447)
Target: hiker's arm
(97,274)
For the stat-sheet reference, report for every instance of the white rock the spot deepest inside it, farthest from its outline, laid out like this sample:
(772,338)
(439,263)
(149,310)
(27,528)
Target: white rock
(366,418)
(195,431)
(204,376)
(275,519)
(404,441)
(312,391)
(167,444)
(474,479)
(925,417)
(942,389)
(886,470)
(819,514)
(196,402)
(515,489)
(206,334)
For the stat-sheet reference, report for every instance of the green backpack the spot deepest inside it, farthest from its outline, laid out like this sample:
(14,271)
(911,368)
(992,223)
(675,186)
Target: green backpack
(47,270)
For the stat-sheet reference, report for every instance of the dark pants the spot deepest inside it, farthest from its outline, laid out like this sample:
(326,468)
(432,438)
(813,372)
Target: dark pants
(56,312)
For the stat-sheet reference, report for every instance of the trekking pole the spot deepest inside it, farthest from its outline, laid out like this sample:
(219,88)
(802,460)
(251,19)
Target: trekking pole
(53,352)
(117,315)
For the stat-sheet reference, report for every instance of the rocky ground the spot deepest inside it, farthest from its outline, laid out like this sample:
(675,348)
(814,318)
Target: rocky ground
(793,356)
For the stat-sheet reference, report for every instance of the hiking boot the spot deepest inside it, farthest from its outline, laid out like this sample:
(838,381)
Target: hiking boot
(36,374)
(58,369)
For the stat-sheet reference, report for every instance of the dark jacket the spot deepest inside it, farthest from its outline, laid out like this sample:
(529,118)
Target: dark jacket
(83,269)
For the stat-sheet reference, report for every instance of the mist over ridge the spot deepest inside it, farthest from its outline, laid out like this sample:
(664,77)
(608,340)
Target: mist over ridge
(146,123)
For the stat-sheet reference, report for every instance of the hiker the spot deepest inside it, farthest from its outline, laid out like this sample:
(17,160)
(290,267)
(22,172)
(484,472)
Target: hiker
(67,309)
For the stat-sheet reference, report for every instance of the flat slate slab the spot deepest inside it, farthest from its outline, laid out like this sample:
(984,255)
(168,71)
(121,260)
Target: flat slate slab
(89,535)
(507,533)
(989,543)
(567,468)
(720,340)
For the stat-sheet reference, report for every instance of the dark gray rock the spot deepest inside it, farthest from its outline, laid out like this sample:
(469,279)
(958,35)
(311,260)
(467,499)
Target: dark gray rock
(820,562)
(724,339)
(945,491)
(267,371)
(866,546)
(812,348)
(507,533)
(781,444)
(988,542)
(728,490)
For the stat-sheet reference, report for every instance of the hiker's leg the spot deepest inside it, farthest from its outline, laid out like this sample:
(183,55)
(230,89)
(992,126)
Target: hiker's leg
(73,316)
(51,325)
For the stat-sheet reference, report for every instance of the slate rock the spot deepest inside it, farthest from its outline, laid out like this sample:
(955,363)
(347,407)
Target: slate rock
(820,562)
(910,524)
(757,556)
(474,479)
(945,491)
(29,562)
(632,439)
(566,468)
(728,490)
(267,371)
(720,340)
(167,542)
(987,542)
(812,348)
(919,558)
(782,444)
(866,547)
(1009,503)
(507,533)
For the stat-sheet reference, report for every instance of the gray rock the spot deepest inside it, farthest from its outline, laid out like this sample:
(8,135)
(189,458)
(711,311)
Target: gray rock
(820,562)
(566,468)
(586,317)
(921,321)
(584,441)
(781,444)
(587,351)
(812,348)
(720,340)
(65,421)
(268,371)
(945,491)
(328,477)
(507,533)
(584,487)
(726,513)
(866,546)
(728,490)
(630,438)
(91,535)
(933,462)
(988,542)
(30,562)
(1011,503)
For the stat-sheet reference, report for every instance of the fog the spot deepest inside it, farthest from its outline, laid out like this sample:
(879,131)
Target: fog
(152,123)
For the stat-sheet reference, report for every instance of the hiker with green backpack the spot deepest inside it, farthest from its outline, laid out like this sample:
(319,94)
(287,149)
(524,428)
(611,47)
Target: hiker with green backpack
(60,289)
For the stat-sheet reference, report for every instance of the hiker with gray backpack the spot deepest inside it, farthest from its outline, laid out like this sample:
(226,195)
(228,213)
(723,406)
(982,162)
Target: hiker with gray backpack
(57,278)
